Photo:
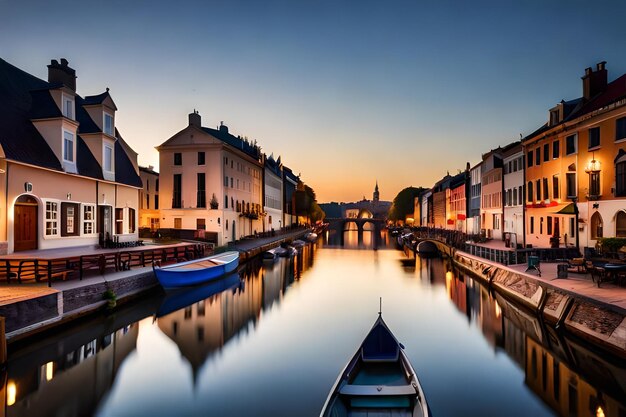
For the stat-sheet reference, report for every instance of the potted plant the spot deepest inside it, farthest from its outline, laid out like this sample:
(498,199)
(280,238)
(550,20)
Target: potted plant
(111,298)
(213,203)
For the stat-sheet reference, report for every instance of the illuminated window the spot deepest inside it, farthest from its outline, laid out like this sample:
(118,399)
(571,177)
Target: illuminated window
(108,124)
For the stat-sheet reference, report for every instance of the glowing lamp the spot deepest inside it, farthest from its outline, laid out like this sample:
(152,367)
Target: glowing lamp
(593,165)
(11,393)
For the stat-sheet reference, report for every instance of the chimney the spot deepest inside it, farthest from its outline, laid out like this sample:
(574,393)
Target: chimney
(223,128)
(594,82)
(195,119)
(62,74)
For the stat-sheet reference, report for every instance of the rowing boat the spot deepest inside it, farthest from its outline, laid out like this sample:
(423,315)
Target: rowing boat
(197,271)
(378,381)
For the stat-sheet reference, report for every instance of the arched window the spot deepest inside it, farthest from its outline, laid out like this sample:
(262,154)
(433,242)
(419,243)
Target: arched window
(620,177)
(596,226)
(620,224)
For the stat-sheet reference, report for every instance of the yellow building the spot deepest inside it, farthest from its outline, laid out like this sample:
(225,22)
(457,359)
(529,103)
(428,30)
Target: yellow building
(576,167)
(149,199)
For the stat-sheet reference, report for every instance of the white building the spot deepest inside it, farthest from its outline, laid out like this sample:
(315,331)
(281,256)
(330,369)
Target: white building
(273,198)
(513,167)
(210,182)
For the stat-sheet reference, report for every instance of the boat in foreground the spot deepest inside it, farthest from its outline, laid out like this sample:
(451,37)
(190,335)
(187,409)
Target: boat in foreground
(378,381)
(197,271)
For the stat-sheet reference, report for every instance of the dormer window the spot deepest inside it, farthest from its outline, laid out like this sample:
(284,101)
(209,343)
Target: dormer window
(108,124)
(68,107)
(108,161)
(68,147)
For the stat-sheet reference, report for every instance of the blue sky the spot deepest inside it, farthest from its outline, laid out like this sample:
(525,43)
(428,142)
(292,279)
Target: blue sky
(346,92)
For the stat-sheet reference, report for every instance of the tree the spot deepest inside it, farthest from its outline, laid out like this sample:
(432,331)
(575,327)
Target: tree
(403,204)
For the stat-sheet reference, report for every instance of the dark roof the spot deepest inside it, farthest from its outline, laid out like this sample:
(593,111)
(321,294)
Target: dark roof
(18,136)
(124,169)
(234,141)
(87,125)
(458,180)
(273,166)
(97,99)
(288,173)
(23,98)
(148,170)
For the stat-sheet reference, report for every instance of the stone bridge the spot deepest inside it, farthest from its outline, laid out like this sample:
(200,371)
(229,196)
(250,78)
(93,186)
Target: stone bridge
(339,224)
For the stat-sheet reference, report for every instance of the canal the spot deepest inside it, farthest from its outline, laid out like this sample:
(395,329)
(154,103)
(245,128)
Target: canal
(274,340)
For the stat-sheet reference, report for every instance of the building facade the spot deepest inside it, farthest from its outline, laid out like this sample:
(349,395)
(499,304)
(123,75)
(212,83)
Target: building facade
(491,212)
(51,135)
(473,224)
(576,167)
(513,177)
(290,183)
(457,215)
(149,216)
(273,194)
(211,182)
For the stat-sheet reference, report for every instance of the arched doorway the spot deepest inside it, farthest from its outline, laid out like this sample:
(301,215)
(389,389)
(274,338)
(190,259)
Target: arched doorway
(25,223)
(596,226)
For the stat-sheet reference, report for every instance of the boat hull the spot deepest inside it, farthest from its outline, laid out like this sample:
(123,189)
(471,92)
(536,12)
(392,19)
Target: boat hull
(379,379)
(185,274)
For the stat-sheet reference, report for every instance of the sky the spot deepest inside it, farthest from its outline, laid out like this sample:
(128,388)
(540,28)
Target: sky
(346,92)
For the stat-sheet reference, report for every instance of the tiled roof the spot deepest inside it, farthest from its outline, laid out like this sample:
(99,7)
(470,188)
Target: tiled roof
(23,98)
(18,136)
(234,141)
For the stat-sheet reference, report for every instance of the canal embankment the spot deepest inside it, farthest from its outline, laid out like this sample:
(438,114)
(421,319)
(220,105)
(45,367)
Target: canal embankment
(573,304)
(31,309)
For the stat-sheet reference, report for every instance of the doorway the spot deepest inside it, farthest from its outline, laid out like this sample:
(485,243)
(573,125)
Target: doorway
(105,226)
(25,224)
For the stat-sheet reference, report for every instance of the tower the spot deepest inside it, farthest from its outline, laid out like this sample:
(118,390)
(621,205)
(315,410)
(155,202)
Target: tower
(376,193)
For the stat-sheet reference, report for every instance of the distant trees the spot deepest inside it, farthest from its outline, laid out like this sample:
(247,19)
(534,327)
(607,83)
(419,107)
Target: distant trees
(403,204)
(306,204)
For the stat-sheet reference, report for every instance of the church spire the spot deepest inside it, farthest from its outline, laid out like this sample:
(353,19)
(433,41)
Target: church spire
(376,193)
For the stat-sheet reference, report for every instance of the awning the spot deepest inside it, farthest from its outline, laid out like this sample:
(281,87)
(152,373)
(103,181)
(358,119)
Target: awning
(568,209)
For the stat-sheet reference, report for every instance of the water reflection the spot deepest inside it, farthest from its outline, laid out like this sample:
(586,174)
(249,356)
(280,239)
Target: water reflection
(70,374)
(572,380)
(285,329)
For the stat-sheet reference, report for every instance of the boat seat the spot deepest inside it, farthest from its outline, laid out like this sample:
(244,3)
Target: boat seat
(373,390)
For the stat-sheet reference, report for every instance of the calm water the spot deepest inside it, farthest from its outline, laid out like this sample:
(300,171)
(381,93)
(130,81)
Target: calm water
(273,343)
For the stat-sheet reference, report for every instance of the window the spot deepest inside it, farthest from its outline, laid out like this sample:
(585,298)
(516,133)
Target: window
(520,195)
(532,225)
(201,158)
(555,187)
(108,124)
(108,158)
(530,191)
(620,179)
(594,184)
(178,158)
(69,219)
(52,218)
(571,144)
(200,224)
(537,156)
(620,224)
(545,189)
(89,219)
(225,161)
(177,191)
(156,202)
(596,226)
(540,225)
(225,201)
(572,227)
(514,192)
(570,179)
(555,149)
(68,146)
(594,137)
(538,197)
(156,185)
(546,152)
(225,181)
(178,223)
(620,128)
(529,158)
(549,222)
(68,107)
(231,182)
(131,220)
(201,194)
(119,221)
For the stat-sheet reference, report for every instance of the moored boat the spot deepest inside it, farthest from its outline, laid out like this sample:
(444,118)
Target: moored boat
(269,255)
(311,236)
(197,271)
(298,243)
(379,380)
